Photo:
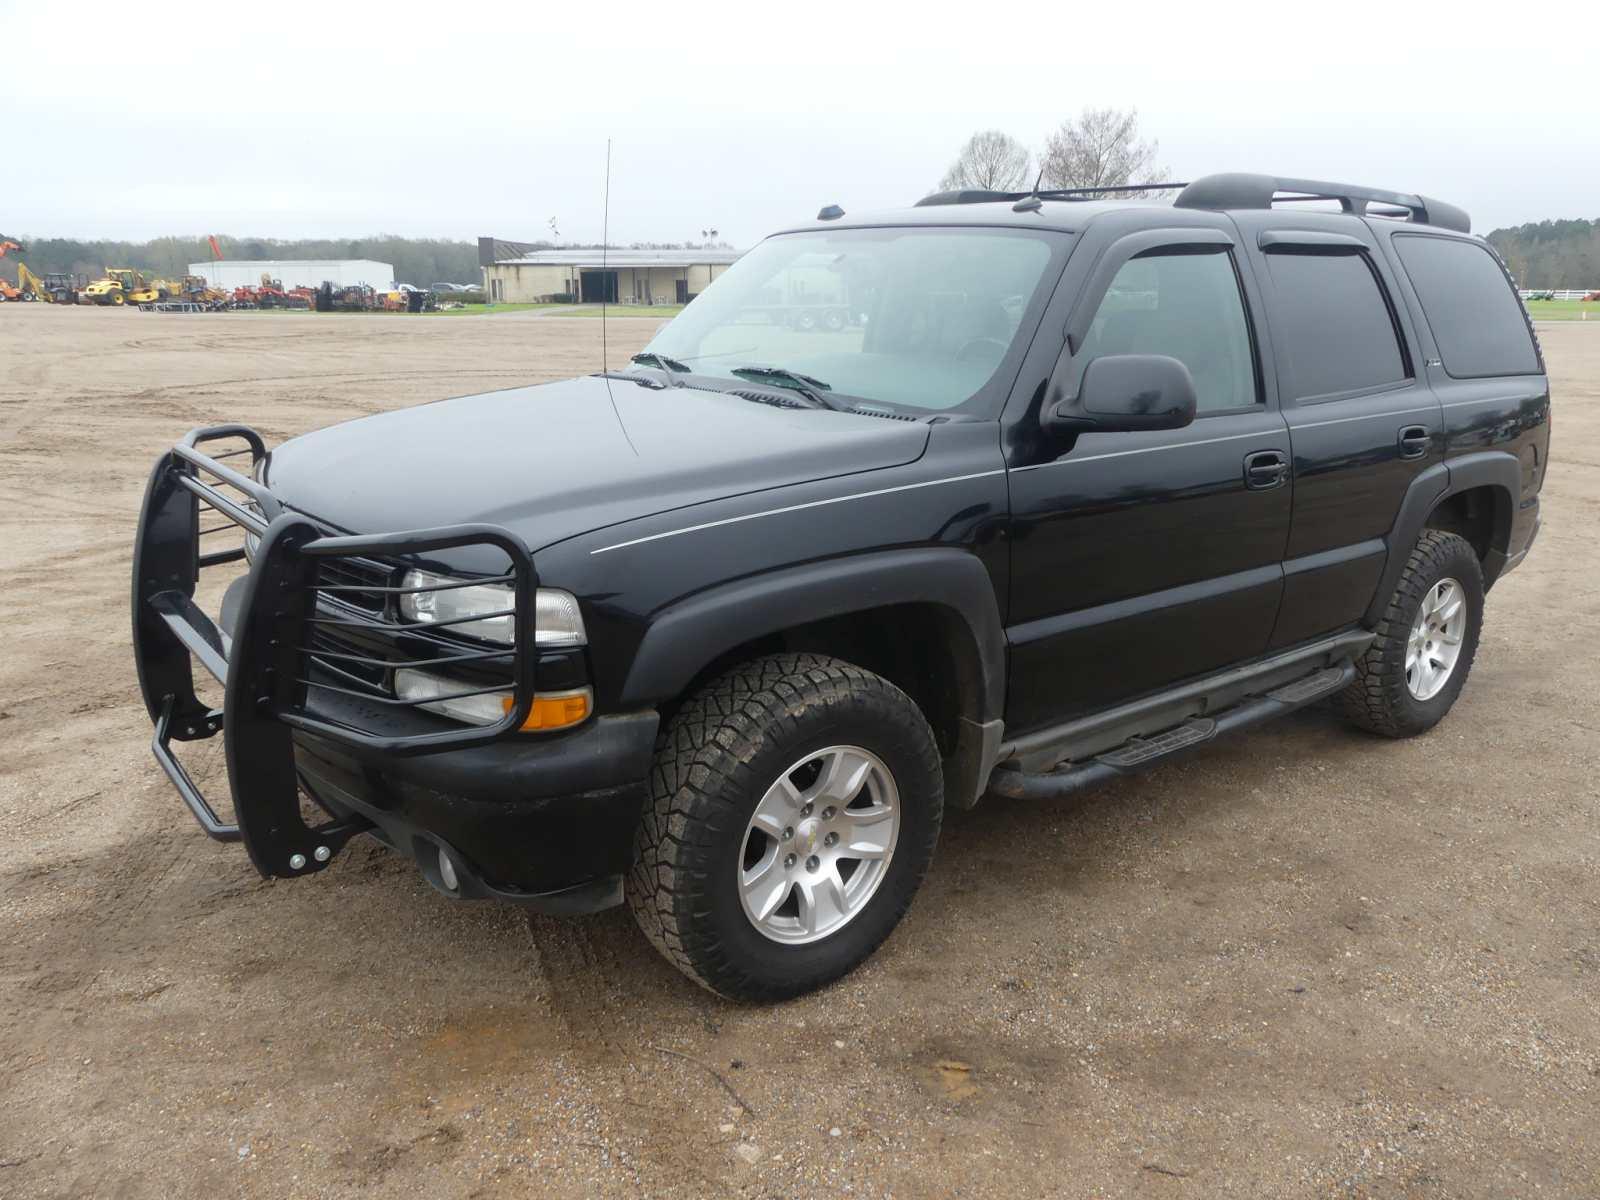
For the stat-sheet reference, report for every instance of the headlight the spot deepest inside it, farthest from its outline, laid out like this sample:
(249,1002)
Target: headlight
(557,619)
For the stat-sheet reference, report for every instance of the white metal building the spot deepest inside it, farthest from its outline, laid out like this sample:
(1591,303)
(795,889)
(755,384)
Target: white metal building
(230,273)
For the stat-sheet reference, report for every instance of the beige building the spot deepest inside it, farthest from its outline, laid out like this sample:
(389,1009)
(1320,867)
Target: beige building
(587,277)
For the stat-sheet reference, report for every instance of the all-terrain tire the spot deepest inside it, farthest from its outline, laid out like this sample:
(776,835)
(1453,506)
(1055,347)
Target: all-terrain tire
(1378,699)
(715,760)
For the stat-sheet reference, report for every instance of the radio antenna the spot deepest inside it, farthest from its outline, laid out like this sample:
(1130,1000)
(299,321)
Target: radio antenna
(605,275)
(605,290)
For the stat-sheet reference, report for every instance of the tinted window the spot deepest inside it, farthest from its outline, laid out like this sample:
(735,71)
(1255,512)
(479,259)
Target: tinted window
(1334,323)
(1475,317)
(1186,306)
(921,316)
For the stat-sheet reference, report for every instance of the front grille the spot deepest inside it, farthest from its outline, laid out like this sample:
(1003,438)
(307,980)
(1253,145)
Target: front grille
(347,660)
(343,581)
(357,640)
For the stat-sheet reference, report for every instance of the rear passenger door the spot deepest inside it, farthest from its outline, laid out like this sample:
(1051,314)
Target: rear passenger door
(1363,423)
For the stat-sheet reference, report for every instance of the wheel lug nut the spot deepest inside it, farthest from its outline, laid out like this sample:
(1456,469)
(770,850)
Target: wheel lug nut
(789,861)
(831,840)
(805,810)
(827,813)
(788,832)
(813,863)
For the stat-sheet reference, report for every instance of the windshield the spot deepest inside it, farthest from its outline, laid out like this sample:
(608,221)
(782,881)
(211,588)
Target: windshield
(919,317)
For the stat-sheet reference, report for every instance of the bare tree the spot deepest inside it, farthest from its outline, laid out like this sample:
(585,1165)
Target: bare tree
(990,161)
(1101,148)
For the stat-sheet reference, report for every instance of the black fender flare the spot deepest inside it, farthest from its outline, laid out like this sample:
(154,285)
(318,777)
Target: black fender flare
(683,638)
(1496,469)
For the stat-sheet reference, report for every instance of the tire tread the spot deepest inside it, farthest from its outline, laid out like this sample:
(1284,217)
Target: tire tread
(701,769)
(1376,699)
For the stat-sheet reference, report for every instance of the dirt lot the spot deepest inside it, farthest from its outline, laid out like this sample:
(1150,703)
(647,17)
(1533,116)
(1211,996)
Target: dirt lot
(1305,963)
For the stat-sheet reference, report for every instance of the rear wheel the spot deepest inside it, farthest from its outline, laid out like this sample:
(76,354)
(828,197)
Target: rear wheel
(795,805)
(1411,675)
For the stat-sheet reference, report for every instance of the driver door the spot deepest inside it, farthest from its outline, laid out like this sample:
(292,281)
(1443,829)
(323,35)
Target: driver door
(1143,559)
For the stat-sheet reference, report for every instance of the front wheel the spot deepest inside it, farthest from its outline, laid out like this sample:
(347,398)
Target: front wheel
(795,804)
(1411,675)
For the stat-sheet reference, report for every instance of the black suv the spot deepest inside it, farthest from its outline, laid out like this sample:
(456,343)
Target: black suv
(997,495)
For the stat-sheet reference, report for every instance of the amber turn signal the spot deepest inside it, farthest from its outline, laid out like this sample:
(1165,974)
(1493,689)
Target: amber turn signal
(555,710)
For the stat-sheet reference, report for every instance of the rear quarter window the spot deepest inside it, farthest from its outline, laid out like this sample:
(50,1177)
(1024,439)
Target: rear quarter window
(1476,319)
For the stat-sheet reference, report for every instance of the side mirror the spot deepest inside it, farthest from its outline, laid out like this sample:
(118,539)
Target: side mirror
(1125,393)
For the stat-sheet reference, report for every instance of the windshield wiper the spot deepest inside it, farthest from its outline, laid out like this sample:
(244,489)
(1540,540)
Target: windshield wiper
(811,388)
(650,358)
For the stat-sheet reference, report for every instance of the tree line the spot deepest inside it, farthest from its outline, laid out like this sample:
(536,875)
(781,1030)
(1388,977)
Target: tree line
(420,261)
(1551,254)
(1101,147)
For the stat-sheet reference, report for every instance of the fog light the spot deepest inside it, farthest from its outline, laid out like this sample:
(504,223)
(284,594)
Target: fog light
(447,871)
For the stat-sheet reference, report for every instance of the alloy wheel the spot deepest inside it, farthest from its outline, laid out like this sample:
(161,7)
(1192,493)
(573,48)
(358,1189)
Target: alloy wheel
(1436,637)
(819,844)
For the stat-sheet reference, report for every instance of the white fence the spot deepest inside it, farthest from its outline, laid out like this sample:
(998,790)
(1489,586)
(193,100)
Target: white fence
(1558,293)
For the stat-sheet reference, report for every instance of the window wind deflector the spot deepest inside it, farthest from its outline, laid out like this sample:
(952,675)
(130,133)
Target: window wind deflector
(1309,241)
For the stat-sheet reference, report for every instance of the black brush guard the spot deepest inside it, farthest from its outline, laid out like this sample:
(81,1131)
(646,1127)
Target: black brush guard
(268,667)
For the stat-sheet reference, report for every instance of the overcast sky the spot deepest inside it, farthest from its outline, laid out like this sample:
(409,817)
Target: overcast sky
(460,119)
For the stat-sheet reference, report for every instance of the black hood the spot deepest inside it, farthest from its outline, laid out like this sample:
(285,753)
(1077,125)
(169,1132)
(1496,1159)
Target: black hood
(554,461)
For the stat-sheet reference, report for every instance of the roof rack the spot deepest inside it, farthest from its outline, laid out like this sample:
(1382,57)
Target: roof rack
(1221,192)
(982,196)
(1262,191)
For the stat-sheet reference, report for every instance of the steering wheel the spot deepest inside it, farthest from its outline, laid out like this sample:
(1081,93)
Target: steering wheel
(973,347)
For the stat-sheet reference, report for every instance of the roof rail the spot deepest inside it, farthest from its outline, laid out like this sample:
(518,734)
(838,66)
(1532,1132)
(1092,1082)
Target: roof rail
(984,196)
(1260,191)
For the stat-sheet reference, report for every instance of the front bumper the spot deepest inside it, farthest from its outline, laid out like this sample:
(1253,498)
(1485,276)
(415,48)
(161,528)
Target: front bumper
(541,820)
(544,822)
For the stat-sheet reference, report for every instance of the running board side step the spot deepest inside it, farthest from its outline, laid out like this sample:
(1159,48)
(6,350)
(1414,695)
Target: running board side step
(1141,753)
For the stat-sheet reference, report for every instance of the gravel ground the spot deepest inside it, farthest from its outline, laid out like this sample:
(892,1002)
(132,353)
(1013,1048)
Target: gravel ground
(1306,962)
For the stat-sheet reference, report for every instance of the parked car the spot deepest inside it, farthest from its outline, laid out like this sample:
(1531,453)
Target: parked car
(724,632)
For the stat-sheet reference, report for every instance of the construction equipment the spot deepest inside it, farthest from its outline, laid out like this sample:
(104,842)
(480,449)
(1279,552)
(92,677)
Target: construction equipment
(19,290)
(32,286)
(28,286)
(271,294)
(196,290)
(119,286)
(56,287)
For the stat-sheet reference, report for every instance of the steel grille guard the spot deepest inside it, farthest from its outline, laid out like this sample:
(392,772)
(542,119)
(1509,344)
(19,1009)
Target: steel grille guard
(268,668)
